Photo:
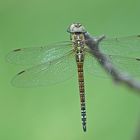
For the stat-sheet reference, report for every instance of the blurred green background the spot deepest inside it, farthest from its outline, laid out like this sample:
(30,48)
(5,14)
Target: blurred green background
(54,112)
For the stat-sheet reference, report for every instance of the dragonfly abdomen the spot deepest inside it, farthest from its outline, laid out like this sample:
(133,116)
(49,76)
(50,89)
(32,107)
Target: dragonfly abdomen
(82,93)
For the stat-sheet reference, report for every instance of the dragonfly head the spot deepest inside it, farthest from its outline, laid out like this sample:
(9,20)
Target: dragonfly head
(77,32)
(76,28)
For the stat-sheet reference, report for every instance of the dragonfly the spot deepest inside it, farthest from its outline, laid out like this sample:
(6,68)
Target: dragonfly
(55,63)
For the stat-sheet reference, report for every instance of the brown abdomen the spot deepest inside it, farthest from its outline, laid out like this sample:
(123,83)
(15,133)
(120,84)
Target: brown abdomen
(82,93)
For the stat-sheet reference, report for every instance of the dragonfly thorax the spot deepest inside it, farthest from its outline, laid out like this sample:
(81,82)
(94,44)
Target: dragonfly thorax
(78,39)
(79,46)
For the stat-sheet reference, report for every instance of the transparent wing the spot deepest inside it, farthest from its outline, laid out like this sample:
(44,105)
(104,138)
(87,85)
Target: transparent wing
(48,73)
(124,46)
(93,67)
(38,55)
(127,65)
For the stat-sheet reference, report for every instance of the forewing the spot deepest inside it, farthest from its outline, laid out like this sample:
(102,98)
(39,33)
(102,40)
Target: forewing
(39,55)
(123,46)
(48,73)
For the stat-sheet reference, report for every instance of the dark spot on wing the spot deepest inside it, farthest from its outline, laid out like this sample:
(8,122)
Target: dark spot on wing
(138,35)
(138,59)
(21,72)
(17,50)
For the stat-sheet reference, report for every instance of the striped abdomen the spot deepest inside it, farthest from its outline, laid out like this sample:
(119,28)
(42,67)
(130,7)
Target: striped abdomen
(82,93)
